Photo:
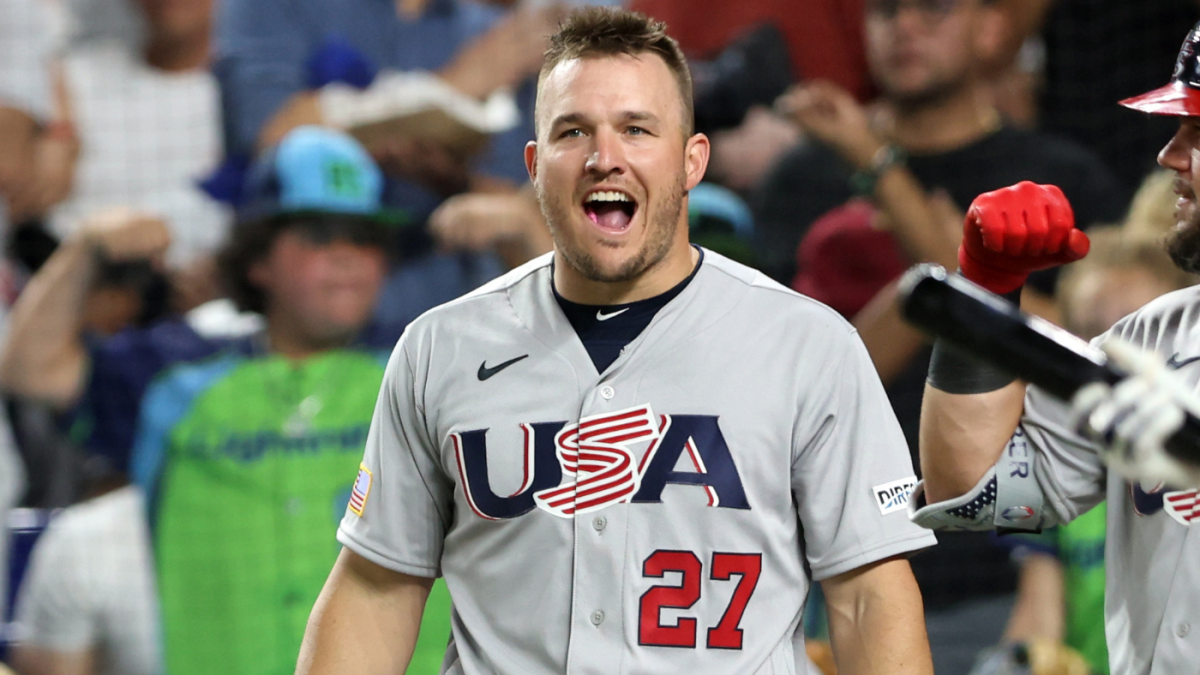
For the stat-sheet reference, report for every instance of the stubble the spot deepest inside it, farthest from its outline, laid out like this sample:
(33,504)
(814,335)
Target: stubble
(661,224)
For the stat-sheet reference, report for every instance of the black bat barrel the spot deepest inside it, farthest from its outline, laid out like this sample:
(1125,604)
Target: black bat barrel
(993,330)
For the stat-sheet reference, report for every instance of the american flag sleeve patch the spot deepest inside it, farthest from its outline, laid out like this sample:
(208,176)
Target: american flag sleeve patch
(362,488)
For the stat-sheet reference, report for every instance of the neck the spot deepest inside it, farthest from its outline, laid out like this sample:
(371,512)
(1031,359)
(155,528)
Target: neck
(291,343)
(177,54)
(946,123)
(664,276)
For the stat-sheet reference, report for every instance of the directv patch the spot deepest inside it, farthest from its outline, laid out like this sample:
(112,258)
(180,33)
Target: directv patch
(892,497)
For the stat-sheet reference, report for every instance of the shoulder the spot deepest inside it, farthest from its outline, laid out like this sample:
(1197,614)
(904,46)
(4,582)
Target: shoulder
(1040,143)
(771,301)
(161,344)
(130,361)
(1165,316)
(171,393)
(492,298)
(1059,154)
(100,523)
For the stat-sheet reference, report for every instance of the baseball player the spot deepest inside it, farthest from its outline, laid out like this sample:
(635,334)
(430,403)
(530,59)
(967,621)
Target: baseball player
(630,455)
(998,454)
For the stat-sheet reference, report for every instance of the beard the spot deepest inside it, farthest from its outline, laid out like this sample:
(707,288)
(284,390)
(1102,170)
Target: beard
(662,220)
(1183,245)
(935,92)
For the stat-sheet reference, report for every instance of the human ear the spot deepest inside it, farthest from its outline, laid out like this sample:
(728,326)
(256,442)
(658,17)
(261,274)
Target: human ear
(696,154)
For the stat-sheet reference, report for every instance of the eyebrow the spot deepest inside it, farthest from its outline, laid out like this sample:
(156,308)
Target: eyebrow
(627,116)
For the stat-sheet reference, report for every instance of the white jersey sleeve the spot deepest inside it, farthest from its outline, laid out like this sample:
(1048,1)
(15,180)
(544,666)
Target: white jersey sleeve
(1069,471)
(401,505)
(852,473)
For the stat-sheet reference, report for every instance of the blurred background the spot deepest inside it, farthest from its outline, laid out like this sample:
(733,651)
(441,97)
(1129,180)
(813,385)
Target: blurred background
(219,215)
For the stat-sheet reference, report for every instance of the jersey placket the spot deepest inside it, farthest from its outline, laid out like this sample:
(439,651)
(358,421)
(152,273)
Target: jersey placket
(606,479)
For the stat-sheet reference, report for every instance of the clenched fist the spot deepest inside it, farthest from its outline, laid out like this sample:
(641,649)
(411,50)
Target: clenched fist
(1013,231)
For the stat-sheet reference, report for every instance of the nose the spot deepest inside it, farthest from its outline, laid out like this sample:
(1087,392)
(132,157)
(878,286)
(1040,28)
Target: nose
(344,255)
(1177,153)
(608,154)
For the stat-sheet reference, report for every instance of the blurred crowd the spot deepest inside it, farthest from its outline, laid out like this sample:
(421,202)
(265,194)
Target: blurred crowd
(219,215)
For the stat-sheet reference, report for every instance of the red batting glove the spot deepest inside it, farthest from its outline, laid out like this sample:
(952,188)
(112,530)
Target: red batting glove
(1013,231)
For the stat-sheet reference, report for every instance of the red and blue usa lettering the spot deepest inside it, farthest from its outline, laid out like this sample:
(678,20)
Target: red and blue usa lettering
(1183,505)
(579,468)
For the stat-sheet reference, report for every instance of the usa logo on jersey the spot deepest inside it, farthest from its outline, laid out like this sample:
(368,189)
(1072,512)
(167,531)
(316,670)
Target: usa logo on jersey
(1183,506)
(585,467)
(360,491)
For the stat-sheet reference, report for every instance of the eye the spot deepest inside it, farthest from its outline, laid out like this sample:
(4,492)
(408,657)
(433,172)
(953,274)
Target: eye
(637,131)
(571,133)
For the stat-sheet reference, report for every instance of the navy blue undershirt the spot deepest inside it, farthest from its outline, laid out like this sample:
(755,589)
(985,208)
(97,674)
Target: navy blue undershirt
(604,338)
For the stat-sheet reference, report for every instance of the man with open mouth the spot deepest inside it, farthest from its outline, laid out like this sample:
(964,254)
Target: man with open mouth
(630,455)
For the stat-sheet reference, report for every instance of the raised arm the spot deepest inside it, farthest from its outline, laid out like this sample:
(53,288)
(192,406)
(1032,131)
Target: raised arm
(970,410)
(877,621)
(365,621)
(45,357)
(831,114)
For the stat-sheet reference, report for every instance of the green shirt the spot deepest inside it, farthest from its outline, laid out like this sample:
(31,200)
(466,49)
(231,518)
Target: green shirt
(249,461)
(1081,552)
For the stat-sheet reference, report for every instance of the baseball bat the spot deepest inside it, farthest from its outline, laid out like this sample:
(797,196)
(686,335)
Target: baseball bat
(993,330)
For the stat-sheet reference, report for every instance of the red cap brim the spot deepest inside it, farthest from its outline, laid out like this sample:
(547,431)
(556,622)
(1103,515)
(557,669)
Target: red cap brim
(1174,99)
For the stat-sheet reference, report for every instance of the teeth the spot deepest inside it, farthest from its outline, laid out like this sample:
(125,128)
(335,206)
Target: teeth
(607,196)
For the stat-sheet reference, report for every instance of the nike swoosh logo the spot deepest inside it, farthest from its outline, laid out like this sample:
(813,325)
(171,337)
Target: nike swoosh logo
(1175,364)
(601,316)
(485,372)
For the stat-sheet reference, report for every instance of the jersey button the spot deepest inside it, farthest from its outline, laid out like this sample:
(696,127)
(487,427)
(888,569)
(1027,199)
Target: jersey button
(607,392)
(1183,629)
(597,618)
(599,523)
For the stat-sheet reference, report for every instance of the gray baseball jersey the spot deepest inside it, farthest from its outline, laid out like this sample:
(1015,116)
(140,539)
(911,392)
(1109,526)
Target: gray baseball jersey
(666,515)
(1050,475)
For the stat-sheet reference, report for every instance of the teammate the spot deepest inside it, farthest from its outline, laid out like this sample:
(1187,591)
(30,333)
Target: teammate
(630,455)
(996,454)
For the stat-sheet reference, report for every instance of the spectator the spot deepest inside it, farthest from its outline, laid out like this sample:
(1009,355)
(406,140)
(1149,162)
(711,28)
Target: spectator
(31,135)
(824,37)
(245,457)
(148,119)
(87,21)
(282,63)
(24,106)
(927,58)
(276,60)
(87,603)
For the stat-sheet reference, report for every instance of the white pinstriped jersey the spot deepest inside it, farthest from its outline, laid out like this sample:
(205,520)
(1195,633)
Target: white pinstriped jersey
(1152,554)
(666,515)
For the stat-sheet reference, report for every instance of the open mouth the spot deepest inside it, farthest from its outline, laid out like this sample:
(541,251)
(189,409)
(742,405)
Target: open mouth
(610,210)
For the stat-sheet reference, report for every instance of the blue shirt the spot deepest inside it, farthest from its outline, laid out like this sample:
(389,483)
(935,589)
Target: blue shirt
(265,53)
